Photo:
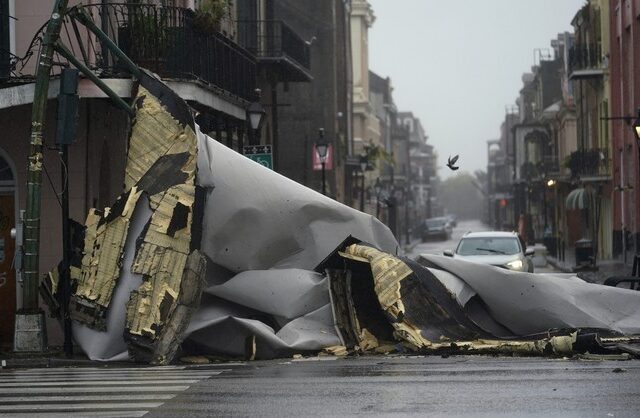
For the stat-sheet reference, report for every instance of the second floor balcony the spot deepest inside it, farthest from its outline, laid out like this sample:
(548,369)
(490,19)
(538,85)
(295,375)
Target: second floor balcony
(586,61)
(277,47)
(589,164)
(162,39)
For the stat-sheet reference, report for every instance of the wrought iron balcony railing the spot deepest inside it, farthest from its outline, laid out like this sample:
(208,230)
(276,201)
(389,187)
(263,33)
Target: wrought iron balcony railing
(585,57)
(162,39)
(589,163)
(274,42)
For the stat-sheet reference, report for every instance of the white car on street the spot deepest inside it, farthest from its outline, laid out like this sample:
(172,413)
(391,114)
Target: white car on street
(496,248)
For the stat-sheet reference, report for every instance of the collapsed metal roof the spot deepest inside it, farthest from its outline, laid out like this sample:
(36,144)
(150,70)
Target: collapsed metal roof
(208,252)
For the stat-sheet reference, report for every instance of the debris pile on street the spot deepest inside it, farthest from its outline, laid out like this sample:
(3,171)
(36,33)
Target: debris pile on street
(208,253)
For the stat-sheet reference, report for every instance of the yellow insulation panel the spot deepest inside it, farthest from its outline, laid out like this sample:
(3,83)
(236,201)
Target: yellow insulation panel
(162,257)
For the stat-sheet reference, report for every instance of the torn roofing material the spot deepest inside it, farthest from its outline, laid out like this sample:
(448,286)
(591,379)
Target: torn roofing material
(161,165)
(440,305)
(256,229)
(257,265)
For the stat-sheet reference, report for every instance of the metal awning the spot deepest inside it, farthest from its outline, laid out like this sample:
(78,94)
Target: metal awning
(580,198)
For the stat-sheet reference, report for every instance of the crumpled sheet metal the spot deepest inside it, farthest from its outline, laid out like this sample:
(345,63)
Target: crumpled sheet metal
(454,287)
(525,303)
(257,219)
(262,235)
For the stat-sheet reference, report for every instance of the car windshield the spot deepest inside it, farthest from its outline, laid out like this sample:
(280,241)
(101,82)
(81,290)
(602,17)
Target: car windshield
(435,223)
(488,245)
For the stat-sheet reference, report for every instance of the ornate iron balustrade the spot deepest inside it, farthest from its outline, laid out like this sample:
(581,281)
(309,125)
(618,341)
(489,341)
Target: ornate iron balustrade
(591,162)
(162,39)
(585,57)
(273,39)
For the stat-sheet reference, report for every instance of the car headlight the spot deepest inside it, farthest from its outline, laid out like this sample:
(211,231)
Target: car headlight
(515,265)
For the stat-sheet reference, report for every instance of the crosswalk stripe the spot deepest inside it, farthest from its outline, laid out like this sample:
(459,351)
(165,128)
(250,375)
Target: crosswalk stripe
(99,383)
(96,391)
(78,377)
(79,406)
(85,398)
(107,389)
(110,414)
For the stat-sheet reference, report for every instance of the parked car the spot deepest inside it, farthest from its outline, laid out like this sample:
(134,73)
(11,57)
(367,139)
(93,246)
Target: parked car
(496,248)
(436,228)
(453,219)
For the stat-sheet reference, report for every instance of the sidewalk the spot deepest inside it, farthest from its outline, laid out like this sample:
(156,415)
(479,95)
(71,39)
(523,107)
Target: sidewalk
(604,268)
(53,357)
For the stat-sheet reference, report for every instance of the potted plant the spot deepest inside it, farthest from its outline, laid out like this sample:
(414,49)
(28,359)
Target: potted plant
(209,15)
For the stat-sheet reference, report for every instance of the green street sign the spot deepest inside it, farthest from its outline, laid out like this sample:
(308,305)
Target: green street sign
(260,154)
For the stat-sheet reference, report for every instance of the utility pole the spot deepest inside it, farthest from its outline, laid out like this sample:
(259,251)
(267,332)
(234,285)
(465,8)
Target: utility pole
(30,331)
(66,134)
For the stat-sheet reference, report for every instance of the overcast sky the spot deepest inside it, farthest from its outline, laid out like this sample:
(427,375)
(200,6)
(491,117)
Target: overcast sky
(457,64)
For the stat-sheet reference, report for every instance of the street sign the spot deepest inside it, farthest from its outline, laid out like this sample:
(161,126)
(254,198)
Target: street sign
(260,154)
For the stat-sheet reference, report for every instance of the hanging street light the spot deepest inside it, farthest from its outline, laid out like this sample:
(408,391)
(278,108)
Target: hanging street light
(322,148)
(255,115)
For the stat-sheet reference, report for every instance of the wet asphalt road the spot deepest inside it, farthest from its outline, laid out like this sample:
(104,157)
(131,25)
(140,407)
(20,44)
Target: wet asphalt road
(417,386)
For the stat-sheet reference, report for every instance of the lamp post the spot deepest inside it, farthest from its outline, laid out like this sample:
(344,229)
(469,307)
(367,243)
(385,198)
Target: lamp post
(377,187)
(364,162)
(321,148)
(407,223)
(255,115)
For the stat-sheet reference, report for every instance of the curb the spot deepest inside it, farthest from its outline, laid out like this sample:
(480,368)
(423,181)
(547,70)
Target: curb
(559,265)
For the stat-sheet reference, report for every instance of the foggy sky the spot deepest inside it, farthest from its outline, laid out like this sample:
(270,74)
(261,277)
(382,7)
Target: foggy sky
(457,65)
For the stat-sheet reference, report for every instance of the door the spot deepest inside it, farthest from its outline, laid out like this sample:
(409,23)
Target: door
(7,272)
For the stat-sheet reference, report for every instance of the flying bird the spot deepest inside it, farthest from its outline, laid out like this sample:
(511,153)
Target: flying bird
(451,162)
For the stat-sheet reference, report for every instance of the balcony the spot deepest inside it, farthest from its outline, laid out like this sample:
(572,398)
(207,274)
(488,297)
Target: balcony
(592,164)
(277,47)
(586,61)
(161,39)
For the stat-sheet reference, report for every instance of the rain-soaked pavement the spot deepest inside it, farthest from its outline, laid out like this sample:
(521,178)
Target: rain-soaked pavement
(400,386)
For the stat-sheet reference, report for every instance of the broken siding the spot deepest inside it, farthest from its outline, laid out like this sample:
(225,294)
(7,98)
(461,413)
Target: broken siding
(105,237)
(162,152)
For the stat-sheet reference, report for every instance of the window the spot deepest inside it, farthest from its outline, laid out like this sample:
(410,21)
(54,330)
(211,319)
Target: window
(489,246)
(6,175)
(5,44)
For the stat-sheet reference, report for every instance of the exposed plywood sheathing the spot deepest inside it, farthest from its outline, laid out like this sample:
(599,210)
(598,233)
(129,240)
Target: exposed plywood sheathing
(158,140)
(105,236)
(161,163)
(388,273)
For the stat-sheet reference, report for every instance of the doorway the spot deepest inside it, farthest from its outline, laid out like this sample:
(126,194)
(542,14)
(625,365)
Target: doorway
(7,252)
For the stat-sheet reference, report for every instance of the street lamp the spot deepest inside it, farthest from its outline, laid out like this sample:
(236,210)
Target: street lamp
(321,148)
(364,163)
(377,187)
(255,114)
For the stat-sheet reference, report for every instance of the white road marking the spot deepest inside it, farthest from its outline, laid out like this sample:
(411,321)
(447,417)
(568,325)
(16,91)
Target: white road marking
(83,377)
(111,414)
(79,406)
(86,398)
(99,383)
(85,389)
(95,391)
